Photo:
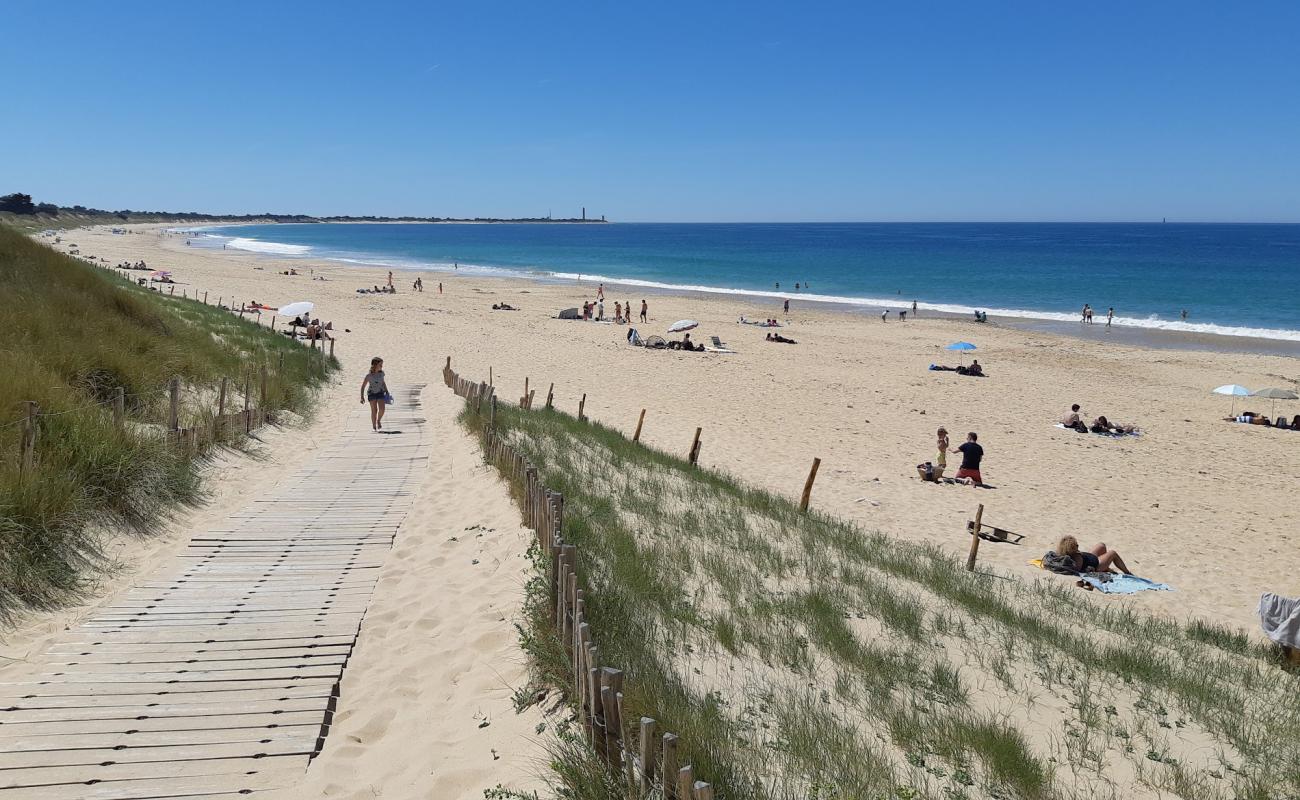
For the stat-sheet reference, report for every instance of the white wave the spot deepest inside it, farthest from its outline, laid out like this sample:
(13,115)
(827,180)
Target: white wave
(1151,322)
(273,248)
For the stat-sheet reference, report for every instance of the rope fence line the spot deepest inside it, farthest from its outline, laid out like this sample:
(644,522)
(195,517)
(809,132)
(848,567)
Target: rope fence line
(207,429)
(646,759)
(125,274)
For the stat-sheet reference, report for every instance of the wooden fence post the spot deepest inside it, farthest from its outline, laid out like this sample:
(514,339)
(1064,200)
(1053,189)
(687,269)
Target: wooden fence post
(808,484)
(119,407)
(685,782)
(611,684)
(703,791)
(205,298)
(272,322)
(174,391)
(975,539)
(248,392)
(221,405)
(582,404)
(31,425)
(636,437)
(530,399)
(647,754)
(550,396)
(331,347)
(670,766)
(262,404)
(695,447)
(489,373)
(492,414)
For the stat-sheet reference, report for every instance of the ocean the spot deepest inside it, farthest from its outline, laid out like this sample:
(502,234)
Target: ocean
(1234,280)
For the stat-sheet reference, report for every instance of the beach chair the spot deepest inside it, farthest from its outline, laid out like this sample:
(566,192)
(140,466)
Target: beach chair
(718,344)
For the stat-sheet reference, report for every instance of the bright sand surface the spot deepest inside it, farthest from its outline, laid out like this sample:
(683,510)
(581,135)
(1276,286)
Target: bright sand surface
(1205,505)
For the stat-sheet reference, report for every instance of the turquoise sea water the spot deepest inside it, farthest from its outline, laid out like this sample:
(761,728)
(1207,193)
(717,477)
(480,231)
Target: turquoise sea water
(1241,280)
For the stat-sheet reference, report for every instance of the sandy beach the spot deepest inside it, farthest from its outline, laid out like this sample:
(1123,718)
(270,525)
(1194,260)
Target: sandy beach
(1202,504)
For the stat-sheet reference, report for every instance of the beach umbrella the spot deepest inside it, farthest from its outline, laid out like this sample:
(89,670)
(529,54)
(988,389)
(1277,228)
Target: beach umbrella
(1234,391)
(962,347)
(1275,394)
(683,325)
(295,309)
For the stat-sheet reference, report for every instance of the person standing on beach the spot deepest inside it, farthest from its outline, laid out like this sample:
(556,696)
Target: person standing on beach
(390,277)
(618,311)
(787,305)
(374,390)
(644,308)
(600,308)
(439,287)
(1110,316)
(971,456)
(884,315)
(600,292)
(914,308)
(942,460)
(1083,315)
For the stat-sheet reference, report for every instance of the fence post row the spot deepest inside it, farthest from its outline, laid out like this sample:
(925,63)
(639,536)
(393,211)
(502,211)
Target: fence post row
(596,690)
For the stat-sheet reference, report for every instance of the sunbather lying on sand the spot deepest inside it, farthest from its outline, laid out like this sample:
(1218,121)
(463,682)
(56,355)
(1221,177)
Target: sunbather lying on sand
(1103,425)
(776,337)
(503,307)
(1068,559)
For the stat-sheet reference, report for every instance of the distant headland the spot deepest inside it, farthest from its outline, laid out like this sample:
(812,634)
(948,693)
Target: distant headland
(19,209)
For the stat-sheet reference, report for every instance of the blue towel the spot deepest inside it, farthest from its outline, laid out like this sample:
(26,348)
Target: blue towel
(1125,584)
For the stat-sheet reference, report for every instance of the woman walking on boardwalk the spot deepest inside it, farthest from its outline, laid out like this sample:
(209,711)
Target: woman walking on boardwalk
(375,390)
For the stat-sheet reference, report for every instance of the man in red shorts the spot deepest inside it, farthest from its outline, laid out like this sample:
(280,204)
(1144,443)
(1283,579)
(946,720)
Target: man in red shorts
(971,455)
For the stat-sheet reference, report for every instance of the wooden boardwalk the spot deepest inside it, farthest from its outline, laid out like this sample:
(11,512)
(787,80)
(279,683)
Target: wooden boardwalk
(218,675)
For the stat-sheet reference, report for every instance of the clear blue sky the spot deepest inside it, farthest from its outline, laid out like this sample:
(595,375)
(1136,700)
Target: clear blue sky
(746,111)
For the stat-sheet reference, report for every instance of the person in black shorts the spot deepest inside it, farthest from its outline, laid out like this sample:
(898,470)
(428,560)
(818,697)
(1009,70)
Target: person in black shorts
(1068,558)
(971,456)
(374,390)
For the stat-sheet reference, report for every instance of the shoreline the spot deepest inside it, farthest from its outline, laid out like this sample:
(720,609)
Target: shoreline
(1028,320)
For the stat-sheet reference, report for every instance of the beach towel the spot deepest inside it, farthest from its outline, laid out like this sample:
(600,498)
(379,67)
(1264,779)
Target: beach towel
(1111,583)
(1280,619)
(1095,433)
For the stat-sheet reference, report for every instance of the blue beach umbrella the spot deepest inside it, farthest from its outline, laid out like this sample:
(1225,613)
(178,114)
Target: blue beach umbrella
(1234,391)
(962,346)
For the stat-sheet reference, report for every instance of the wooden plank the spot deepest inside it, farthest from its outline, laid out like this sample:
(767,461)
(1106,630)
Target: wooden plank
(275,703)
(129,781)
(212,646)
(261,721)
(304,734)
(93,694)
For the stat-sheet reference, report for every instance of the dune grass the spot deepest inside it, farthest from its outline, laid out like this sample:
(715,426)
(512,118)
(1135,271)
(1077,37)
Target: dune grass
(74,335)
(798,656)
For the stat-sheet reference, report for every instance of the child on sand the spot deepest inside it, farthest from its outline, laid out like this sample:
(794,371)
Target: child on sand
(942,460)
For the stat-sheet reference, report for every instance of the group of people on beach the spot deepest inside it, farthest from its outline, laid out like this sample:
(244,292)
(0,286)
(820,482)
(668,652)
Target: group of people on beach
(1074,421)
(1086,315)
(972,456)
(595,310)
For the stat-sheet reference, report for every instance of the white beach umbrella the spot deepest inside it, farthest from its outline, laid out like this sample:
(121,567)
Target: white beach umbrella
(683,325)
(1234,391)
(296,309)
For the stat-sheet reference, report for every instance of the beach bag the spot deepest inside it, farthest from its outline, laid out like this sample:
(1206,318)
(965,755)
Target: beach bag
(388,397)
(1061,565)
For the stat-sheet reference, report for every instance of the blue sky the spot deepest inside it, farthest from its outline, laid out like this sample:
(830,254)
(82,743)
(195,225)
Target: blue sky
(668,111)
